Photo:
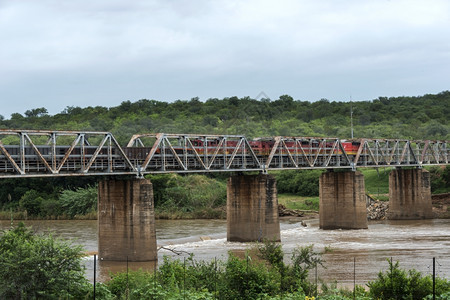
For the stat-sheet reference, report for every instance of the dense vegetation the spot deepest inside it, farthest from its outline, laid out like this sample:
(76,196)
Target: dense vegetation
(178,196)
(397,117)
(40,267)
(396,283)
(263,274)
(422,117)
(48,198)
(192,196)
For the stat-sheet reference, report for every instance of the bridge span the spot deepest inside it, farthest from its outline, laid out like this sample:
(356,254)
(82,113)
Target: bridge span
(126,229)
(39,153)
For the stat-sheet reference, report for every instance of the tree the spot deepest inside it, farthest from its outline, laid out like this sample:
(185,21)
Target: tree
(79,202)
(36,112)
(39,266)
(31,202)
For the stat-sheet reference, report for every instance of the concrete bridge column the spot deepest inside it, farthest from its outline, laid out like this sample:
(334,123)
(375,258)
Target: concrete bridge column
(252,208)
(126,220)
(409,194)
(342,202)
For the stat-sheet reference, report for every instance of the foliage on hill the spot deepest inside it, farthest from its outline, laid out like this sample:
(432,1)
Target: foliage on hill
(396,117)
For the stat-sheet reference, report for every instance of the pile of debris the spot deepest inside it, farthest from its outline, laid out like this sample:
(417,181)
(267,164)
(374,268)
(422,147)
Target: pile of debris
(284,212)
(376,209)
(441,205)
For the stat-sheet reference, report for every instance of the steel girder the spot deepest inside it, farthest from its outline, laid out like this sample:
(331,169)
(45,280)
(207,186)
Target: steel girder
(41,153)
(194,153)
(37,153)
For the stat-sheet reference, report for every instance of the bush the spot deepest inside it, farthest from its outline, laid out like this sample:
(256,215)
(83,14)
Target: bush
(31,202)
(101,292)
(79,202)
(194,194)
(293,277)
(121,284)
(247,279)
(396,283)
(33,266)
(50,208)
(440,179)
(300,182)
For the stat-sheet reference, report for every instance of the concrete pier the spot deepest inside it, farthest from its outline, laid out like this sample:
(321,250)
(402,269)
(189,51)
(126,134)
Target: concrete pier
(342,203)
(126,220)
(252,208)
(409,194)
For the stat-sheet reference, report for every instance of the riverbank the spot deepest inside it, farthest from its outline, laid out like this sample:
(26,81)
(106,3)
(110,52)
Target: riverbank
(23,215)
(412,242)
(290,206)
(441,206)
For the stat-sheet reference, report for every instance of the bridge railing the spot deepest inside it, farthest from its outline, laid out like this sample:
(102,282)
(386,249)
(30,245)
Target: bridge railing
(192,153)
(311,152)
(56,153)
(71,153)
(389,152)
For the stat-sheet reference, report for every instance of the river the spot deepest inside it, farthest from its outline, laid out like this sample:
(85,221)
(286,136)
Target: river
(359,254)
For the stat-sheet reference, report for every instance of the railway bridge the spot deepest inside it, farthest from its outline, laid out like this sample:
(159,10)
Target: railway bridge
(125,207)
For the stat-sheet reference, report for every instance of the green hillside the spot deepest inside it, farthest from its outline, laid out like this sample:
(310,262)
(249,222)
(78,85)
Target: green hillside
(421,117)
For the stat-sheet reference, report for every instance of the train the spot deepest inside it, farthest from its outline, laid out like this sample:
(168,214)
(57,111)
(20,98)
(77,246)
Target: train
(260,147)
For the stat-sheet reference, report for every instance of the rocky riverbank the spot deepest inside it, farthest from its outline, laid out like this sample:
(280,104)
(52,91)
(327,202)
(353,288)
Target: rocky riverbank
(441,205)
(376,209)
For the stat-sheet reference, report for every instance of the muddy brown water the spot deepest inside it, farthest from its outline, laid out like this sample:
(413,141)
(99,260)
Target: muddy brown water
(358,254)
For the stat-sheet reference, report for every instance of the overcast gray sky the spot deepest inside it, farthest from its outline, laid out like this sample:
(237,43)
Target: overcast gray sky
(56,53)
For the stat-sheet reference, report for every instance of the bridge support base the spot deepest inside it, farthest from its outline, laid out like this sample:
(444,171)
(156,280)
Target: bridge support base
(252,208)
(409,194)
(126,220)
(342,203)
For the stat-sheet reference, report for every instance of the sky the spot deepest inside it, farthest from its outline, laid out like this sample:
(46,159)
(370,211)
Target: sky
(60,53)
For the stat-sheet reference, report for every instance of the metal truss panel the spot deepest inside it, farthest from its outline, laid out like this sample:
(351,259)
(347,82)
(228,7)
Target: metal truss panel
(186,152)
(37,153)
(60,153)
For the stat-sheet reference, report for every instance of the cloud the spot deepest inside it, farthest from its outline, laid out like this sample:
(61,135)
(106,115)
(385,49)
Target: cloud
(69,53)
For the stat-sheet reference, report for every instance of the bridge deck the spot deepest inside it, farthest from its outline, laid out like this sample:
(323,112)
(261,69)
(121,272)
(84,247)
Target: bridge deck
(33,153)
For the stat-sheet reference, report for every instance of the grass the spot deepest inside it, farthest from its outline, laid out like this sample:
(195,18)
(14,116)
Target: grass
(298,202)
(376,181)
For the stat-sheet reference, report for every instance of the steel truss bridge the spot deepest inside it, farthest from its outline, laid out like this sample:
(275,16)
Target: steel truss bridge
(38,153)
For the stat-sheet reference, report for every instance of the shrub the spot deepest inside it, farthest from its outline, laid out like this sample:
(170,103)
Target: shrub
(247,279)
(195,194)
(34,266)
(400,284)
(31,202)
(79,202)
(294,276)
(440,179)
(122,284)
(301,182)
(50,207)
